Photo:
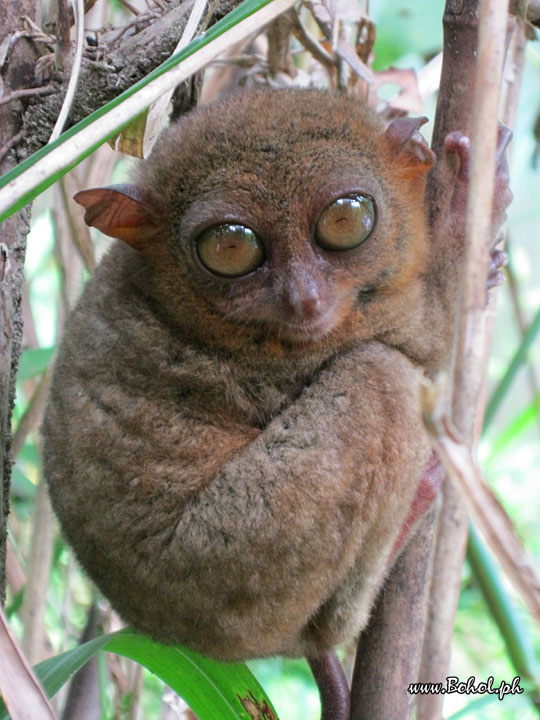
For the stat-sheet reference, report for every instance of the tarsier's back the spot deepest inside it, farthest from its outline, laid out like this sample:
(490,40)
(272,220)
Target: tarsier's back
(233,438)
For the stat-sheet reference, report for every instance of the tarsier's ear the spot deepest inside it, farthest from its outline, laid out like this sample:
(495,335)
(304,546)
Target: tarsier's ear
(407,144)
(126,212)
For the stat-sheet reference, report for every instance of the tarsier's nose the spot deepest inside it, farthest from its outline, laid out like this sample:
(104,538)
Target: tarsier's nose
(304,302)
(311,306)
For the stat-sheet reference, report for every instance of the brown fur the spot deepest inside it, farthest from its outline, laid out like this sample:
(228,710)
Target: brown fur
(226,484)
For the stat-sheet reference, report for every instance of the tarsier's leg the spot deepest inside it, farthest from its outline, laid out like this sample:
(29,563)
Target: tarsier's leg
(427,491)
(333,686)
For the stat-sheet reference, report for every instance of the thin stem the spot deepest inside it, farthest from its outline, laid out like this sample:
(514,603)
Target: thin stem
(520,357)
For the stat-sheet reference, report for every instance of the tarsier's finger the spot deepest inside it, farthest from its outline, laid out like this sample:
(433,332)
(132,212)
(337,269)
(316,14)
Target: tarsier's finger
(498,260)
(459,143)
(504,136)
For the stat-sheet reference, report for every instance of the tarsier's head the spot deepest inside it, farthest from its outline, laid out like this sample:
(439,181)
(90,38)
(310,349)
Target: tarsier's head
(290,215)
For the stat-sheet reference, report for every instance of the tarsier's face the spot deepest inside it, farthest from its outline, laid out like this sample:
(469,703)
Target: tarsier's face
(286,219)
(290,276)
(304,308)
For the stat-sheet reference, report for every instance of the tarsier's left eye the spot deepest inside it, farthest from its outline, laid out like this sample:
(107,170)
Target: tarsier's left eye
(230,250)
(346,223)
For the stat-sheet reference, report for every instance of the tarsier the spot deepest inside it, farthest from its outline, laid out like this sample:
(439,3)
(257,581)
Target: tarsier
(233,440)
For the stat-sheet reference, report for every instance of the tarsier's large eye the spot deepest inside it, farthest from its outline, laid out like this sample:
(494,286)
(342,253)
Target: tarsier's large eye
(346,223)
(230,250)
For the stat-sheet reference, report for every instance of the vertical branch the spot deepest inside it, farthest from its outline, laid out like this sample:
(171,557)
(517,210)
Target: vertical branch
(460,54)
(380,687)
(63,44)
(16,73)
(471,338)
(39,565)
(453,113)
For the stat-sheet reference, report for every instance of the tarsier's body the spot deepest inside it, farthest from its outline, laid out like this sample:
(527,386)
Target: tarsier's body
(233,458)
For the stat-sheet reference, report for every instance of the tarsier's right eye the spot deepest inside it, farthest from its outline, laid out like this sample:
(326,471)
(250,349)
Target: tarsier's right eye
(230,250)
(346,223)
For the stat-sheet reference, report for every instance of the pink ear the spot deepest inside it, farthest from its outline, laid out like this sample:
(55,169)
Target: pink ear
(125,212)
(405,140)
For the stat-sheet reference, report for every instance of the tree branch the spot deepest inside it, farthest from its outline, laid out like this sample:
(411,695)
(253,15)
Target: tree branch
(388,656)
(460,108)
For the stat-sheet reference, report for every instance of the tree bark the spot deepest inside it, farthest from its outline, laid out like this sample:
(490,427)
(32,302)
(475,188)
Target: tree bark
(16,74)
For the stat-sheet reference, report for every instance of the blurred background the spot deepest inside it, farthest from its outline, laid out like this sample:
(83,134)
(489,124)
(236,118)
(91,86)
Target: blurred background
(49,598)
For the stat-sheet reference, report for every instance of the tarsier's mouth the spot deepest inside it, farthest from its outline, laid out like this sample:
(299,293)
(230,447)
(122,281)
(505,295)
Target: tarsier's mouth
(310,330)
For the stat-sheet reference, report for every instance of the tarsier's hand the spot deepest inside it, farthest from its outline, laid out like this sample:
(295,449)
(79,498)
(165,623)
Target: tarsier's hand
(502,195)
(433,475)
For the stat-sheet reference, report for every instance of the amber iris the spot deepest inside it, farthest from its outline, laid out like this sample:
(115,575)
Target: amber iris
(346,223)
(230,250)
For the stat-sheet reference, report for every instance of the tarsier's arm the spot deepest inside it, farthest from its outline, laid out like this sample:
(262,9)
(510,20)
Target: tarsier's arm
(243,554)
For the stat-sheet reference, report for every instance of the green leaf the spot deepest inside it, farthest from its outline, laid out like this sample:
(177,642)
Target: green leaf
(34,362)
(54,672)
(212,689)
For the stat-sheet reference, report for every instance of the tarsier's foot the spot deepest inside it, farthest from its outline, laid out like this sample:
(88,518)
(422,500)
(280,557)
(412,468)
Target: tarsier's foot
(498,260)
(502,195)
(426,492)
(333,687)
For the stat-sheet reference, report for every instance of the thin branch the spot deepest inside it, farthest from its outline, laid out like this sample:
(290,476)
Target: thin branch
(471,338)
(16,577)
(454,112)
(33,413)
(78,229)
(6,147)
(310,44)
(520,357)
(39,563)
(63,43)
(486,511)
(377,683)
(342,49)
(20,689)
(520,318)
(78,7)
(158,109)
(27,92)
(505,613)
(130,7)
